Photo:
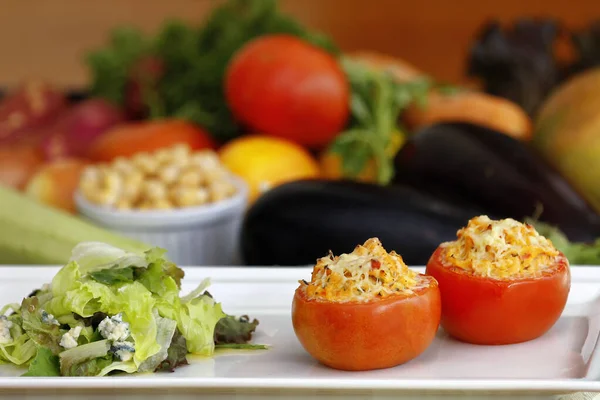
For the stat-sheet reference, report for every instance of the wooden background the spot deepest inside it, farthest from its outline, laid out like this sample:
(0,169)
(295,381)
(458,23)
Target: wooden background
(47,38)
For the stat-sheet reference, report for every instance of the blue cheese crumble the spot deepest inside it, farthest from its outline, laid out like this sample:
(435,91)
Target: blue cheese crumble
(123,350)
(5,325)
(49,318)
(113,328)
(69,339)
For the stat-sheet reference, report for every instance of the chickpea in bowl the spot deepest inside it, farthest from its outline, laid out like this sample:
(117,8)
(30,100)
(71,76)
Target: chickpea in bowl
(184,201)
(166,179)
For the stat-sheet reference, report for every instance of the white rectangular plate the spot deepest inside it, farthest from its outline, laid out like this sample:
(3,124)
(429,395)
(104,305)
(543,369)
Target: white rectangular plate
(562,361)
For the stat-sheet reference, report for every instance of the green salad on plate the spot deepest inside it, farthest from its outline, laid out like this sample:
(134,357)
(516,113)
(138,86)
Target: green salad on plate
(108,311)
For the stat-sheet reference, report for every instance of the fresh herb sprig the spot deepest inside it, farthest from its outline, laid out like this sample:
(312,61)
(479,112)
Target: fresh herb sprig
(376,103)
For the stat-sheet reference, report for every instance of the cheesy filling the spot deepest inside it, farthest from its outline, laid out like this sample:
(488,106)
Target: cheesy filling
(368,272)
(500,249)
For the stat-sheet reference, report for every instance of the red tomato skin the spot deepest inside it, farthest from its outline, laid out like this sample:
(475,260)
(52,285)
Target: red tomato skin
(371,335)
(282,86)
(481,310)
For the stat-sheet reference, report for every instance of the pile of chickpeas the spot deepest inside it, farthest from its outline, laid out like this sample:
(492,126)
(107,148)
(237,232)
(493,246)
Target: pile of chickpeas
(168,178)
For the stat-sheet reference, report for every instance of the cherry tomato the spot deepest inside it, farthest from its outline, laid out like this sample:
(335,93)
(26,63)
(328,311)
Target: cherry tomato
(482,310)
(282,86)
(381,333)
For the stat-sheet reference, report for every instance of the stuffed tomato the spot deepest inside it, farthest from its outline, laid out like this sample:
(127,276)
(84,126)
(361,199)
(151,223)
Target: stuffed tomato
(366,310)
(500,281)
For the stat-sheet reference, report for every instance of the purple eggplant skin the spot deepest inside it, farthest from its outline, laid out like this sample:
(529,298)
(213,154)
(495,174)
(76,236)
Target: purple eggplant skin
(500,174)
(296,223)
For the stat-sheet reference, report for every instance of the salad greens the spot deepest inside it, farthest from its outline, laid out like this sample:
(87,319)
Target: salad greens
(108,310)
(577,253)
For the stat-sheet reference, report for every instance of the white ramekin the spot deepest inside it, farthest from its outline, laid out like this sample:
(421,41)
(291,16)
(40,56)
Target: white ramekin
(193,236)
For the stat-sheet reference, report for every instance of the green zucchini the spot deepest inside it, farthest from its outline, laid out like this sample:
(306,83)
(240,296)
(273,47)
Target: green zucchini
(33,233)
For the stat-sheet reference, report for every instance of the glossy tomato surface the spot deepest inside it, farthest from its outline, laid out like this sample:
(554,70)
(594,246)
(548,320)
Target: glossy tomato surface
(370,335)
(482,310)
(282,86)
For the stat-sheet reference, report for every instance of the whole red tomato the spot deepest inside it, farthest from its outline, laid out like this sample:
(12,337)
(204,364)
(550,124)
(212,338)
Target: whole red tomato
(380,333)
(482,310)
(282,86)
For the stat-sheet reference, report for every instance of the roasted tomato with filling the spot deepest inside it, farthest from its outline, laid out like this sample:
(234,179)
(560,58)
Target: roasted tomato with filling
(366,310)
(501,282)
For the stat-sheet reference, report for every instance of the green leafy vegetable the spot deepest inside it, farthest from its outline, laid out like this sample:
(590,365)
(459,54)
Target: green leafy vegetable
(376,103)
(164,337)
(73,361)
(95,256)
(196,320)
(45,363)
(108,311)
(232,330)
(111,65)
(176,355)
(113,276)
(576,253)
(43,333)
(19,351)
(93,367)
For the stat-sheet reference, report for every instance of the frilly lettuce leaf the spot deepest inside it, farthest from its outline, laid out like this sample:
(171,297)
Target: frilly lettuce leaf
(165,330)
(74,362)
(196,322)
(113,276)
(137,305)
(19,351)
(236,330)
(85,297)
(196,314)
(95,256)
(93,367)
(43,334)
(176,355)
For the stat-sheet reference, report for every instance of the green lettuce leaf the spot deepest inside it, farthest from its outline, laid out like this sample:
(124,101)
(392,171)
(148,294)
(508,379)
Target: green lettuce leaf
(84,300)
(93,367)
(199,291)
(19,351)
(196,321)
(163,286)
(43,334)
(66,279)
(45,363)
(95,256)
(134,300)
(176,355)
(73,361)
(165,330)
(235,330)
(137,305)
(113,276)
(196,316)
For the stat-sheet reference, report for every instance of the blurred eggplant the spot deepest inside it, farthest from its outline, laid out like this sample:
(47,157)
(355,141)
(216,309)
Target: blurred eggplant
(499,174)
(298,222)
